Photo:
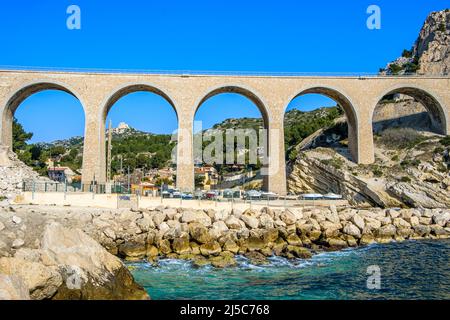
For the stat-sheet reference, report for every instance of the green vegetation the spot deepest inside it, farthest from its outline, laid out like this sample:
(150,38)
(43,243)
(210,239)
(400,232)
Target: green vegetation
(400,138)
(199,181)
(405,179)
(442,27)
(395,158)
(335,162)
(407,53)
(20,136)
(409,163)
(140,151)
(377,172)
(438,150)
(445,141)
(394,68)
(298,125)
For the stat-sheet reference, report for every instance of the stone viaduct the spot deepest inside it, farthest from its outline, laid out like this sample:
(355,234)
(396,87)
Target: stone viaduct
(97,92)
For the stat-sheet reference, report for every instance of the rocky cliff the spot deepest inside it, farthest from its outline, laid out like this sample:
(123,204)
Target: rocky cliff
(412,177)
(433,44)
(430,54)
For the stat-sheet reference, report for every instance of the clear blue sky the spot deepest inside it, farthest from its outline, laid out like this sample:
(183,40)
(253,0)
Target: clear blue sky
(269,36)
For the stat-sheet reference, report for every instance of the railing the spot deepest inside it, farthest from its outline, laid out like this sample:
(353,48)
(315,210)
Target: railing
(209,72)
(54,186)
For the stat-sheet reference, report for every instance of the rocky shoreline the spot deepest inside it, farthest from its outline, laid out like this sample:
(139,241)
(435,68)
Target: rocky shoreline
(73,253)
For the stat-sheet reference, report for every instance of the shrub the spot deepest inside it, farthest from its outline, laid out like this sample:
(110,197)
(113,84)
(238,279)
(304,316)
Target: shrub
(337,163)
(394,68)
(442,168)
(438,150)
(408,163)
(401,138)
(405,179)
(395,158)
(377,172)
(442,27)
(407,53)
(445,141)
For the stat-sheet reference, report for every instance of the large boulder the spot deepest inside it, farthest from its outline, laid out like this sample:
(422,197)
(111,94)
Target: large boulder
(199,233)
(250,221)
(210,249)
(42,281)
(358,221)
(233,223)
(13,288)
(442,218)
(352,230)
(132,251)
(88,270)
(196,216)
(181,245)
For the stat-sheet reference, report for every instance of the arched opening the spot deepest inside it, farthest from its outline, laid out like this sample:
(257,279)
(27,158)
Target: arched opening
(320,127)
(408,124)
(409,107)
(143,121)
(230,140)
(328,114)
(43,124)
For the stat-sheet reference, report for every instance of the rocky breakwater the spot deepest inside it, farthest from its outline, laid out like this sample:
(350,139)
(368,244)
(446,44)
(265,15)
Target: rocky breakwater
(55,262)
(216,236)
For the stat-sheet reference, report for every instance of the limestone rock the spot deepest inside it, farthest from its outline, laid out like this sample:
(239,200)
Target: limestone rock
(13,288)
(17,243)
(233,223)
(88,270)
(250,221)
(133,251)
(199,233)
(231,246)
(210,249)
(196,216)
(41,281)
(181,245)
(256,258)
(352,230)
(442,218)
(358,221)
(299,252)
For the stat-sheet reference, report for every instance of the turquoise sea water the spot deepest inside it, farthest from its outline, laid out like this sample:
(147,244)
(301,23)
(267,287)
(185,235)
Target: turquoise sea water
(409,270)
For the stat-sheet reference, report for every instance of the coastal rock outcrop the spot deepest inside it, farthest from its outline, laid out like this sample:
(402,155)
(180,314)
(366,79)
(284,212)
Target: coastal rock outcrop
(65,263)
(13,288)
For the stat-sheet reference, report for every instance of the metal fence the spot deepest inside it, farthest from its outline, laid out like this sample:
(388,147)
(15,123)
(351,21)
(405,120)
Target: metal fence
(50,186)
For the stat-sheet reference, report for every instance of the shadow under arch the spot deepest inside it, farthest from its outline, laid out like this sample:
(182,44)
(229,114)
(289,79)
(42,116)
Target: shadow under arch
(346,104)
(429,101)
(255,99)
(20,95)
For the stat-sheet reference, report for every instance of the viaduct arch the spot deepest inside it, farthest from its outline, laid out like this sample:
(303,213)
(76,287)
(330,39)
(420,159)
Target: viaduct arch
(97,92)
